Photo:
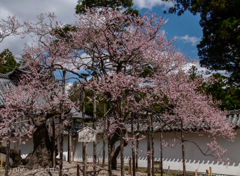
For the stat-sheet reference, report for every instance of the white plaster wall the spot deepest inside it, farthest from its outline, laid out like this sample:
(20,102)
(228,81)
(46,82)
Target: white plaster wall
(78,148)
(27,147)
(191,151)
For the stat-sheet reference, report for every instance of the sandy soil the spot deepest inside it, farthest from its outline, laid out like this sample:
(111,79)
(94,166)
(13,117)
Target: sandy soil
(69,170)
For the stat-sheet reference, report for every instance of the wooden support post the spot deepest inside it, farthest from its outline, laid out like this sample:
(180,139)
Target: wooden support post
(70,144)
(168,170)
(195,173)
(73,154)
(1,162)
(78,174)
(86,158)
(210,170)
(94,127)
(130,166)
(7,158)
(207,172)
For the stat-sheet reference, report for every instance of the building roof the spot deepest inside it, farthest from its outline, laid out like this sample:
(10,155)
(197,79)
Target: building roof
(233,117)
(77,114)
(14,72)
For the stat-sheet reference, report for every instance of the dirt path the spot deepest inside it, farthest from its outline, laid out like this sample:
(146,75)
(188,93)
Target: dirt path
(69,170)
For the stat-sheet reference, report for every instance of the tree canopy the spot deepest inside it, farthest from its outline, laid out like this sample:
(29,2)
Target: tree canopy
(220,21)
(229,96)
(8,63)
(113,4)
(220,91)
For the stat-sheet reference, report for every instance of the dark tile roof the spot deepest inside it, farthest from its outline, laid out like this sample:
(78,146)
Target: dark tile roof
(16,70)
(233,117)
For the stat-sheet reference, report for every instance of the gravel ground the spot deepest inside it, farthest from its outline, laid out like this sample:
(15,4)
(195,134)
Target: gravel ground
(69,170)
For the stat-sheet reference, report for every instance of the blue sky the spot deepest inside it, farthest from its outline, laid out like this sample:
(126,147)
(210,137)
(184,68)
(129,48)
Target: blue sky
(185,27)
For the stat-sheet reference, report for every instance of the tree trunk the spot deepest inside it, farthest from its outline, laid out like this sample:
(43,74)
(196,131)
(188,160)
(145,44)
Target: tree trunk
(70,145)
(161,153)
(61,143)
(103,135)
(133,149)
(122,154)
(94,127)
(61,126)
(113,158)
(121,136)
(109,152)
(7,158)
(14,155)
(152,138)
(137,147)
(148,149)
(104,151)
(183,154)
(115,155)
(83,125)
(41,156)
(53,144)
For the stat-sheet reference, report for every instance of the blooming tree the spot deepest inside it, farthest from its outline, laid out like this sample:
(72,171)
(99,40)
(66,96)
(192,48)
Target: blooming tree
(29,108)
(116,48)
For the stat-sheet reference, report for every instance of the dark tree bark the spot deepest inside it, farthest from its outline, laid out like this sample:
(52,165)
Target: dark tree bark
(83,125)
(133,150)
(94,127)
(115,155)
(122,141)
(53,143)
(137,145)
(7,158)
(61,126)
(105,123)
(161,153)
(148,149)
(183,154)
(41,156)
(14,155)
(109,153)
(122,145)
(152,139)
(70,144)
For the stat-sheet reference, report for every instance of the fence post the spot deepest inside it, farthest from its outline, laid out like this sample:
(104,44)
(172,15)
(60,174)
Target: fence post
(210,169)
(168,170)
(73,154)
(207,172)
(78,174)
(1,162)
(130,166)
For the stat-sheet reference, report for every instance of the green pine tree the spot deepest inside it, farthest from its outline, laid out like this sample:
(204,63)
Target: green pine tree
(7,61)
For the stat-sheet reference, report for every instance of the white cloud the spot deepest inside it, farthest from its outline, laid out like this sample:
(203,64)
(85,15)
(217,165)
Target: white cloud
(193,40)
(163,32)
(68,86)
(203,70)
(149,4)
(26,10)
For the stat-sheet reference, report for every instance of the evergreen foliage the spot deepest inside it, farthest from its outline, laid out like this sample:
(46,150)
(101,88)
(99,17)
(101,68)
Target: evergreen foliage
(113,4)
(220,21)
(7,61)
